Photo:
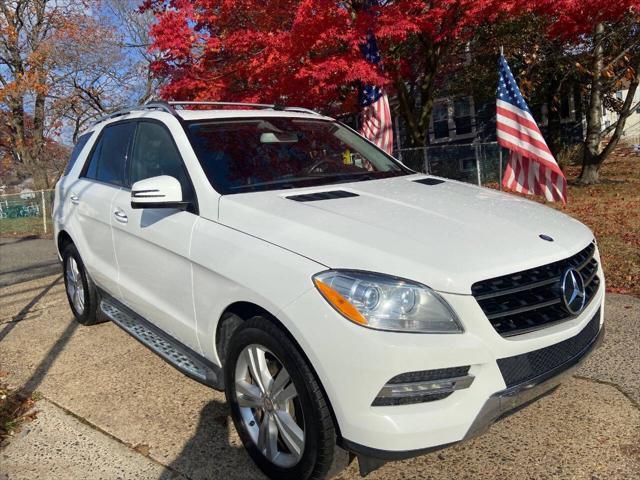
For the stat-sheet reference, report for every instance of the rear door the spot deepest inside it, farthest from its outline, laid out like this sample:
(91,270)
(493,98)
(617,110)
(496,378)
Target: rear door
(152,244)
(90,197)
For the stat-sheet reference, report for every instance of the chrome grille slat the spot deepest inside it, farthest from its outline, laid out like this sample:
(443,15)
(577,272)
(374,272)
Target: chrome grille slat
(535,306)
(523,288)
(531,299)
(588,281)
(584,264)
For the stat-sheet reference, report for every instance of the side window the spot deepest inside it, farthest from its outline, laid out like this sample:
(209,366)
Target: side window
(155,153)
(109,157)
(82,141)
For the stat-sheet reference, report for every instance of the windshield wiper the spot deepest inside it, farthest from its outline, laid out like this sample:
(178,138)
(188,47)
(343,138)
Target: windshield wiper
(314,180)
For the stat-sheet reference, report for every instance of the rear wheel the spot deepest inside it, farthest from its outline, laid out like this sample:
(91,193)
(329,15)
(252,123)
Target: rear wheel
(277,405)
(81,292)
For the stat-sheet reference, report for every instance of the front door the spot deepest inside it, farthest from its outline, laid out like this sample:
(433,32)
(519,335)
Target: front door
(152,244)
(91,196)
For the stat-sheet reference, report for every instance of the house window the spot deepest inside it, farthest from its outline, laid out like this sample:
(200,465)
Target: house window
(440,120)
(468,164)
(565,110)
(452,119)
(462,116)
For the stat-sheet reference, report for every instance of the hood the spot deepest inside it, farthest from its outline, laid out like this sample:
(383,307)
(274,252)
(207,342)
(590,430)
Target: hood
(447,235)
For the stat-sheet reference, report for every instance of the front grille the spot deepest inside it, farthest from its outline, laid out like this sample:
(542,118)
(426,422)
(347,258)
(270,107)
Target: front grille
(531,299)
(549,360)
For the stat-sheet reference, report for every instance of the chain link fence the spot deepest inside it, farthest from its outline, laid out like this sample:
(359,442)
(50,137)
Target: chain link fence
(479,163)
(26,213)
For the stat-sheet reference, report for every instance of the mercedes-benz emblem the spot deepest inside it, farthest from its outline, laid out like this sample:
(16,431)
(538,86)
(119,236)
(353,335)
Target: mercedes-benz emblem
(573,294)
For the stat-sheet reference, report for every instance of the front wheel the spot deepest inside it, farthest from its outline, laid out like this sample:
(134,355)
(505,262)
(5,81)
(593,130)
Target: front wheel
(277,406)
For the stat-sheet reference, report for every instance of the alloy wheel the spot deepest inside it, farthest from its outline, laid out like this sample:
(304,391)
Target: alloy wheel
(269,406)
(75,287)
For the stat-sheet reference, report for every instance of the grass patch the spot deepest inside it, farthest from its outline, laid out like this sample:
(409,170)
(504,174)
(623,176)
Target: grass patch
(23,226)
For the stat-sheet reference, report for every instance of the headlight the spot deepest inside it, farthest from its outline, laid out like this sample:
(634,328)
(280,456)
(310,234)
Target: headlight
(386,303)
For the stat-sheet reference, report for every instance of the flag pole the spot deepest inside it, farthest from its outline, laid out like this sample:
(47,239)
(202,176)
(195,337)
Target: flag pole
(499,146)
(500,168)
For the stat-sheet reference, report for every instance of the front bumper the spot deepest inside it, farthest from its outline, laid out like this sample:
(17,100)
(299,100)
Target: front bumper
(353,363)
(498,406)
(507,401)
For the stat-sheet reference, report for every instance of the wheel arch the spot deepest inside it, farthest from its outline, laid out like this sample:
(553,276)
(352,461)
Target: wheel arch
(235,314)
(63,240)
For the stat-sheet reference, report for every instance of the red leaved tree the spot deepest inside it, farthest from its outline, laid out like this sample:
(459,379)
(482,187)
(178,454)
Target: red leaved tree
(307,52)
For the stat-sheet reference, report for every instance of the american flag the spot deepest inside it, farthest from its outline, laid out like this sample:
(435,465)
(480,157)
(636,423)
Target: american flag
(376,115)
(531,168)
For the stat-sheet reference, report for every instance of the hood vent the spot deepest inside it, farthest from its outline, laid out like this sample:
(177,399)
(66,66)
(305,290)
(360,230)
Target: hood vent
(312,197)
(429,181)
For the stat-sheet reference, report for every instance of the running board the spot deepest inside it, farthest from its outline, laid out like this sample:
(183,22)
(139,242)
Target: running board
(178,355)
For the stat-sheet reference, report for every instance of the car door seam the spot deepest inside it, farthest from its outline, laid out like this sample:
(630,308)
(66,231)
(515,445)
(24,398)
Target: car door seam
(193,294)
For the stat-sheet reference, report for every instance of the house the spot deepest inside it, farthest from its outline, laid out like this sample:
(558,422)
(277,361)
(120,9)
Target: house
(462,136)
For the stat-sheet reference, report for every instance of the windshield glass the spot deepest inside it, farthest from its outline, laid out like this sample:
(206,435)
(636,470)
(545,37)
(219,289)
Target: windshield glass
(245,155)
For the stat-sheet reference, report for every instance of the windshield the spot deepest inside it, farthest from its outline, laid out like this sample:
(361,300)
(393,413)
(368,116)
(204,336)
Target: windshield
(245,155)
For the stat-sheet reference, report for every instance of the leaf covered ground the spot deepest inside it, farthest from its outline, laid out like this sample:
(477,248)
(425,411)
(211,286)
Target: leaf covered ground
(16,408)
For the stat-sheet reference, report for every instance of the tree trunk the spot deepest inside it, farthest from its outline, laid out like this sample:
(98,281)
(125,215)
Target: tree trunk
(418,119)
(38,164)
(622,115)
(593,158)
(590,160)
(589,174)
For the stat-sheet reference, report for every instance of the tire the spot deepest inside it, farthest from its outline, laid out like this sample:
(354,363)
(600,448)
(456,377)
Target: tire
(84,301)
(308,409)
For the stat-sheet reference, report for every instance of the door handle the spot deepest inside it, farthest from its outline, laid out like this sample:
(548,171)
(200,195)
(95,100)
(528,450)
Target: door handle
(75,199)
(121,216)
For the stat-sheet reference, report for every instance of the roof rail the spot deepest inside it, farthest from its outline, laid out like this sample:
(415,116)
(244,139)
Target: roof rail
(266,106)
(168,107)
(150,105)
(158,105)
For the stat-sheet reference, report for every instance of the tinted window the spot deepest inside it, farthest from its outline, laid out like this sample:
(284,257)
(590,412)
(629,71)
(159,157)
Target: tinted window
(274,153)
(462,116)
(109,157)
(82,141)
(155,153)
(440,120)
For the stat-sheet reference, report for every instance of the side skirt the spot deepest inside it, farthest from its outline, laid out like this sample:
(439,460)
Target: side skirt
(181,357)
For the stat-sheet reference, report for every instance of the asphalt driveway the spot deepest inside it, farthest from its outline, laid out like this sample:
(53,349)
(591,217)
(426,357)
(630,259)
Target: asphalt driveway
(112,409)
(26,258)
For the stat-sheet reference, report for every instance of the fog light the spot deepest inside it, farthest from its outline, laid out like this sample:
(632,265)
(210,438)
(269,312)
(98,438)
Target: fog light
(423,386)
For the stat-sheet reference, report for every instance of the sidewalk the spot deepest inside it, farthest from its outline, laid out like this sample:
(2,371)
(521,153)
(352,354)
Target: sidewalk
(112,409)
(57,445)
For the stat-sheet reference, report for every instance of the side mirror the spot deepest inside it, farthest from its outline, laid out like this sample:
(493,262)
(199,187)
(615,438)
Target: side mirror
(157,192)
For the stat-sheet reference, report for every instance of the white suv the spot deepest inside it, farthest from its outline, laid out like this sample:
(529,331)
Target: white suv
(346,305)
